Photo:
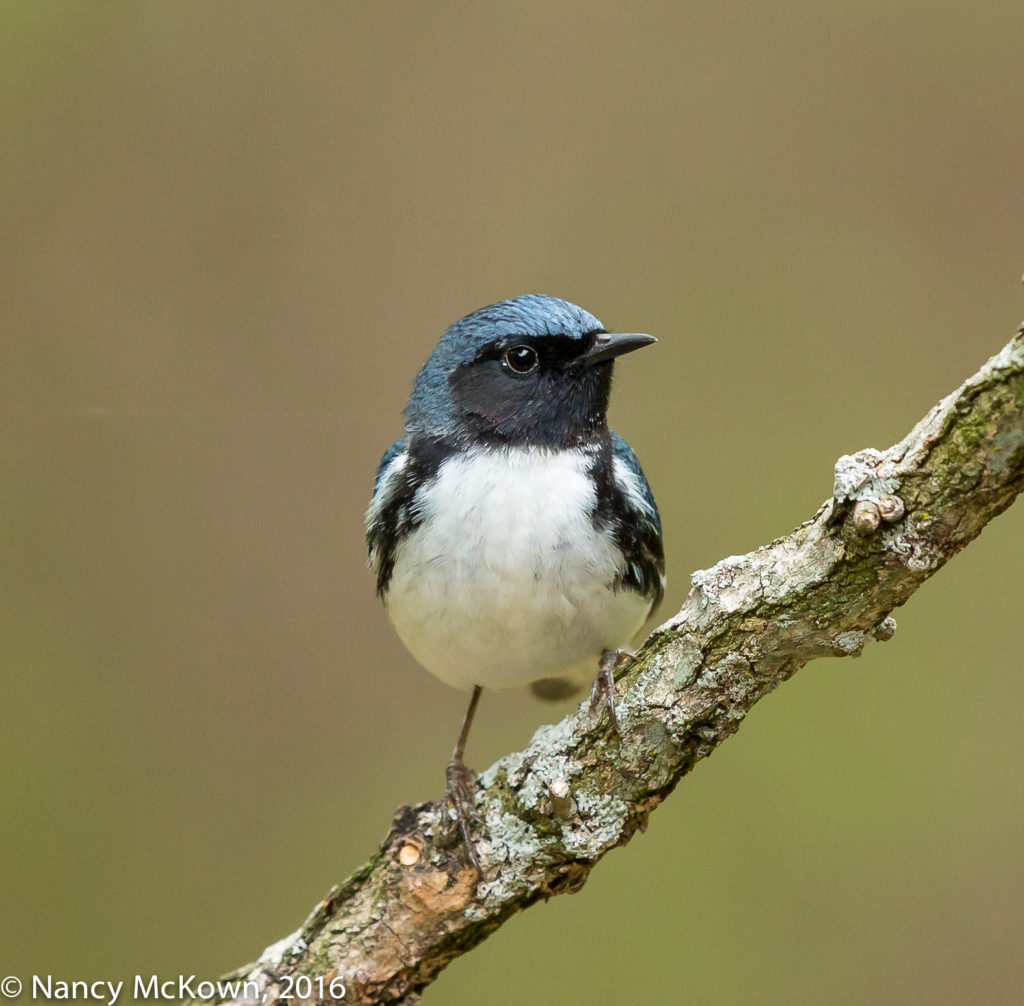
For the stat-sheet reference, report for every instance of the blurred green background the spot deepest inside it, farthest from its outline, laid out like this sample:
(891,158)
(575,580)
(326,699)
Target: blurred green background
(231,234)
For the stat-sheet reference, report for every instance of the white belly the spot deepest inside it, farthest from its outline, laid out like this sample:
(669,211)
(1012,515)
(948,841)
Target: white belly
(506,579)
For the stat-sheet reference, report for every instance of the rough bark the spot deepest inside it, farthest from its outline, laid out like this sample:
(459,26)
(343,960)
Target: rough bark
(549,813)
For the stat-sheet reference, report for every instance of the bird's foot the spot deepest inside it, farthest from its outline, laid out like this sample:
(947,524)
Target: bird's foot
(458,795)
(604,683)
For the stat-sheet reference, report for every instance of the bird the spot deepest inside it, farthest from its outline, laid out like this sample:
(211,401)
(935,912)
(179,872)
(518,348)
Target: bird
(514,537)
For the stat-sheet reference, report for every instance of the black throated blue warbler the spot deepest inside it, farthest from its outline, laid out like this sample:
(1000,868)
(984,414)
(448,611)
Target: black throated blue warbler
(513,535)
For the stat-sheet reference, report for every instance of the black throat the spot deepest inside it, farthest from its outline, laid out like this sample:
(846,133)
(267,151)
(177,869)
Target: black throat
(558,407)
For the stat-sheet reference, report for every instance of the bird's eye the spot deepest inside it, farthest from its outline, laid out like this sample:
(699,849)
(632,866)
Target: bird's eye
(520,359)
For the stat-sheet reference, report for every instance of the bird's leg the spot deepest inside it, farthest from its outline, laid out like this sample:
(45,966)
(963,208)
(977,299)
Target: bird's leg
(604,683)
(459,788)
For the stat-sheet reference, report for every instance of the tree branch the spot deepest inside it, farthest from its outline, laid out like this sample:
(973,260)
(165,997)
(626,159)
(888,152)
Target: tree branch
(549,813)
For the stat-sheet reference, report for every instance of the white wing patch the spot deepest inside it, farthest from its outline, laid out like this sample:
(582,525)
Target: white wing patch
(389,481)
(632,488)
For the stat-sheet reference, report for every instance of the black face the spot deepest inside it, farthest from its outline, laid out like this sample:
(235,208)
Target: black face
(532,390)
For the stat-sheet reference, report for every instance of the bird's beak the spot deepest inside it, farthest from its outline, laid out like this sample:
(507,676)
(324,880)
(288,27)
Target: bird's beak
(608,345)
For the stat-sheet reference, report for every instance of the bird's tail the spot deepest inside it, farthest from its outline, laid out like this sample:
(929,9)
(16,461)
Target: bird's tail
(555,689)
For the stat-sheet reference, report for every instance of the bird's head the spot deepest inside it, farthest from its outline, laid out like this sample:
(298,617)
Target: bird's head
(532,370)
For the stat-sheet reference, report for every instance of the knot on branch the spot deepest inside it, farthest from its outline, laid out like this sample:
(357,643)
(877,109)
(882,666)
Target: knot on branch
(867,480)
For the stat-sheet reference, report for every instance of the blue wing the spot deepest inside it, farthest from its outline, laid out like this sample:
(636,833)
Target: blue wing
(640,535)
(389,455)
(388,513)
(392,513)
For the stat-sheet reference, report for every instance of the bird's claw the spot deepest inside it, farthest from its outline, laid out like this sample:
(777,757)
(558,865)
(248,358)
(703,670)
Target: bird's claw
(459,796)
(604,683)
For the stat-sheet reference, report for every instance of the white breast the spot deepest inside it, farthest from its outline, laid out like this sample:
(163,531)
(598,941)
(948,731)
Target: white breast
(506,579)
